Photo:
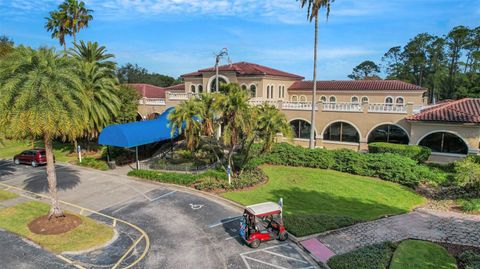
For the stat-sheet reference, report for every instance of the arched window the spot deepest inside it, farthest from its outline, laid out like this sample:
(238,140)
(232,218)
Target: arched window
(301,129)
(303,98)
(389,100)
(354,99)
(244,87)
(342,132)
(200,88)
(268,91)
(294,98)
(388,133)
(399,101)
(444,142)
(323,99)
(281,91)
(193,89)
(364,99)
(271,91)
(253,90)
(333,99)
(221,81)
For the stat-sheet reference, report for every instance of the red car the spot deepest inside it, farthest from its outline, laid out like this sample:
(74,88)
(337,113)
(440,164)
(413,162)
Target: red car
(34,157)
(262,222)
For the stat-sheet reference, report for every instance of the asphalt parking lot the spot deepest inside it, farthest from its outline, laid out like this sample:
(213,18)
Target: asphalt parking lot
(185,230)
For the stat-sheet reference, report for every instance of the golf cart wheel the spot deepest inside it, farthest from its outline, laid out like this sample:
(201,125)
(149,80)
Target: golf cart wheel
(16,161)
(283,236)
(255,243)
(34,164)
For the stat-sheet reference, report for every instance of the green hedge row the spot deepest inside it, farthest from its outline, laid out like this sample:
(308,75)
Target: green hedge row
(94,163)
(387,166)
(303,225)
(374,256)
(417,153)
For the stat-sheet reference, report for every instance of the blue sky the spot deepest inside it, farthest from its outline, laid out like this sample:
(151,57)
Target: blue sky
(179,36)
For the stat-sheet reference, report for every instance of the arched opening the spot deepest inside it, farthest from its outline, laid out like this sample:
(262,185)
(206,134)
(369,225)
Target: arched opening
(323,99)
(200,88)
(341,132)
(253,90)
(153,116)
(303,98)
(301,129)
(364,99)
(389,100)
(399,101)
(444,142)
(294,98)
(333,99)
(389,133)
(222,80)
(193,89)
(244,87)
(139,117)
(354,99)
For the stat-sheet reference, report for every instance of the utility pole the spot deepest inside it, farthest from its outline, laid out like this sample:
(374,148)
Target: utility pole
(218,57)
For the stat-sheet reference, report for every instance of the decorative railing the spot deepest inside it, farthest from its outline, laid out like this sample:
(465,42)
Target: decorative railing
(180,96)
(259,102)
(345,107)
(152,101)
(297,105)
(387,108)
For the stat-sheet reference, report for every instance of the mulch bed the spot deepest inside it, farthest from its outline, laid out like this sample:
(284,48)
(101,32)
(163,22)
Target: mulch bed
(60,225)
(456,250)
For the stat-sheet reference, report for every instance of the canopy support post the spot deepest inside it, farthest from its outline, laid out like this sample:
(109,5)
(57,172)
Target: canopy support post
(136,158)
(108,154)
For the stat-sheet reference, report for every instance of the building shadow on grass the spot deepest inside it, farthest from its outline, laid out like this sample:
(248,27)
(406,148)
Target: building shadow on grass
(67,178)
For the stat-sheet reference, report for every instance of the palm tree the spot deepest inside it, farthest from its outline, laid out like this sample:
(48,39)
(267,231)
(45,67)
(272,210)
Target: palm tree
(93,53)
(313,7)
(270,122)
(186,118)
(57,24)
(210,104)
(77,16)
(101,90)
(41,96)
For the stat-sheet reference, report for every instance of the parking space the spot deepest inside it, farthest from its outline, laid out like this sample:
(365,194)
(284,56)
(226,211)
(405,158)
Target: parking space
(185,230)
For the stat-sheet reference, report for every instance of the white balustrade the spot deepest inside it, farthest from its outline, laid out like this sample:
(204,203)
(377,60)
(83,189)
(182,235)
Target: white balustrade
(344,107)
(153,101)
(297,105)
(180,96)
(259,102)
(387,108)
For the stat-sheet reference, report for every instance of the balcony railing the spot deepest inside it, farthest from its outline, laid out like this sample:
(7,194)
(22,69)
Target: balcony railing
(297,106)
(345,107)
(152,101)
(180,96)
(259,102)
(387,108)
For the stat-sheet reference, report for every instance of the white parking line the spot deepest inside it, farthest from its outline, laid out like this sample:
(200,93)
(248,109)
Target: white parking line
(226,221)
(269,264)
(286,257)
(161,196)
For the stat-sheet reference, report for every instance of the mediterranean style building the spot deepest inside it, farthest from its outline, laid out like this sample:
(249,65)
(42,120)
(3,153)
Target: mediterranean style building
(349,114)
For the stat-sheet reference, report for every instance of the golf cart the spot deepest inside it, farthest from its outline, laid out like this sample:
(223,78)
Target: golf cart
(262,222)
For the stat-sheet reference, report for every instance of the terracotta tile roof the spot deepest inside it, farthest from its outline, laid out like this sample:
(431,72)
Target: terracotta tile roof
(356,85)
(178,87)
(148,91)
(246,69)
(460,111)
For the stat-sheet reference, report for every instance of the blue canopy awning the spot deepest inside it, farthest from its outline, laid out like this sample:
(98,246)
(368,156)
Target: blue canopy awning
(138,133)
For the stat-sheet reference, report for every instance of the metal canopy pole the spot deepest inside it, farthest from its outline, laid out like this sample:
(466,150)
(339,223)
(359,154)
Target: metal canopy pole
(136,158)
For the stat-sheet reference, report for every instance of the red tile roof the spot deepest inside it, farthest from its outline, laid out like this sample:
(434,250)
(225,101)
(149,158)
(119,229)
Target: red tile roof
(460,111)
(178,87)
(246,69)
(148,91)
(356,85)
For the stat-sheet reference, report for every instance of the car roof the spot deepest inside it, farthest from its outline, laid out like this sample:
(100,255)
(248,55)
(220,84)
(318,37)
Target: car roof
(264,208)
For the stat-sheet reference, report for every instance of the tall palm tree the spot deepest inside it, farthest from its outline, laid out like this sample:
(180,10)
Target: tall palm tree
(313,7)
(101,90)
(57,24)
(186,118)
(92,52)
(41,96)
(270,122)
(77,16)
(210,104)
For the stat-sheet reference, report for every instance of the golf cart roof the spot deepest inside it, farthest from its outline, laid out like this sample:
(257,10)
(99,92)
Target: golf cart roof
(263,209)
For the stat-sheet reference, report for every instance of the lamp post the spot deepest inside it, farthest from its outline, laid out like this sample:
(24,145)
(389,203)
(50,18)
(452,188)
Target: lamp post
(218,57)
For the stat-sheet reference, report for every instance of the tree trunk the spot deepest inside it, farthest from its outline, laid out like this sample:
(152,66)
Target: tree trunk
(55,210)
(74,38)
(314,94)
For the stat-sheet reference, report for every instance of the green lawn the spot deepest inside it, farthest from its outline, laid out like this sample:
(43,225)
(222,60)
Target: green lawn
(5,195)
(421,255)
(11,147)
(88,235)
(308,191)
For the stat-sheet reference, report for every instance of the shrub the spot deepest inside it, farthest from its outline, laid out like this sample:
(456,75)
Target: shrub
(94,163)
(302,225)
(470,205)
(349,161)
(417,153)
(467,173)
(374,256)
(470,259)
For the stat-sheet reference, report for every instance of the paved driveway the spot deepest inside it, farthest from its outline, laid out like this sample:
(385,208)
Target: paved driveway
(185,230)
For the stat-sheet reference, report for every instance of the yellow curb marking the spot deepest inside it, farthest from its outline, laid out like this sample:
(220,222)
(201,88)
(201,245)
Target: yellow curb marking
(115,220)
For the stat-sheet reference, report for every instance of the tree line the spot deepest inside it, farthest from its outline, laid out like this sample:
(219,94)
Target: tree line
(449,65)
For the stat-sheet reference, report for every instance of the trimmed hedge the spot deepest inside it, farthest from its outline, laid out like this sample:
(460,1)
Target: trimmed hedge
(303,225)
(387,166)
(417,153)
(94,163)
(374,256)
(470,260)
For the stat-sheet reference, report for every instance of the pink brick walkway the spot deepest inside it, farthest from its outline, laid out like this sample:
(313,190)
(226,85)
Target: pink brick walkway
(318,250)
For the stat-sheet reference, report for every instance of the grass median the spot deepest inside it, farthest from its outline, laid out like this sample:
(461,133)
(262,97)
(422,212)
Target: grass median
(5,195)
(87,235)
